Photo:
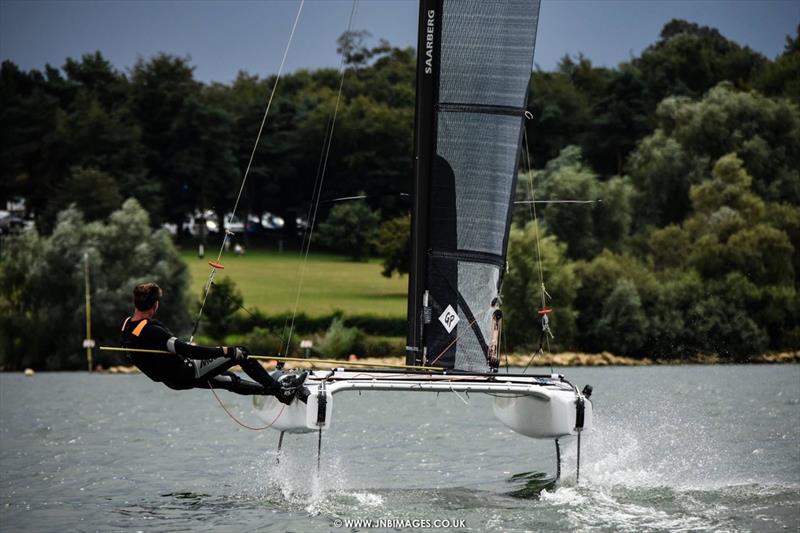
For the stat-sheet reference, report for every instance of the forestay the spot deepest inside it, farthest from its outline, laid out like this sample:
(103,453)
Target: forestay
(474,64)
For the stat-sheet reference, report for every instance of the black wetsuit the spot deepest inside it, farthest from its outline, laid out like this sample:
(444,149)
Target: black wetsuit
(188,366)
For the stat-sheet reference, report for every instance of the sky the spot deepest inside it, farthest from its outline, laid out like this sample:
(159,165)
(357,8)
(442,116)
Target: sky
(224,37)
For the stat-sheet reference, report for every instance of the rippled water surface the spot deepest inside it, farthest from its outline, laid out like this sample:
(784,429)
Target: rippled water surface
(674,448)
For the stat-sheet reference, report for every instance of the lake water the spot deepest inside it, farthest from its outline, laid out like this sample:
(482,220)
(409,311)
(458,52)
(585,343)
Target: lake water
(674,448)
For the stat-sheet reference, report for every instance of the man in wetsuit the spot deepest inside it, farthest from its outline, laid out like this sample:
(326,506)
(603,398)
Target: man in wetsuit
(188,366)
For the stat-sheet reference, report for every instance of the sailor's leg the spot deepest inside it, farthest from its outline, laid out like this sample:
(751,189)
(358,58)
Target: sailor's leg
(231,382)
(205,369)
(254,369)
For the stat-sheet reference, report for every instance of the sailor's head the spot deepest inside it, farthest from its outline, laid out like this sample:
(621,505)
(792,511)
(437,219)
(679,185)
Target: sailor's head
(145,297)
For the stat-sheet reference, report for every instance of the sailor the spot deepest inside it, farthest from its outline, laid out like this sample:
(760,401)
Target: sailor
(187,366)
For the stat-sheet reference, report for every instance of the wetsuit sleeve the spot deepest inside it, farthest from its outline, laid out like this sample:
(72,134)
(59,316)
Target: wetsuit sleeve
(155,335)
(195,352)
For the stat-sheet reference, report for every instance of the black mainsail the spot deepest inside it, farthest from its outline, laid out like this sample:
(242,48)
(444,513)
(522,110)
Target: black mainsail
(474,61)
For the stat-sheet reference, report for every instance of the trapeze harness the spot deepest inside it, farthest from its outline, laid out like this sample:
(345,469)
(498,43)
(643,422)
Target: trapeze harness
(188,366)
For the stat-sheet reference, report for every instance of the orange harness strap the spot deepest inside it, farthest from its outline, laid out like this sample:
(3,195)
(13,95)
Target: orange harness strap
(138,330)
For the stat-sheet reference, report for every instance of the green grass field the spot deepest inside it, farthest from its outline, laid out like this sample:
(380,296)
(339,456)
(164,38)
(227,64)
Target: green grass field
(268,281)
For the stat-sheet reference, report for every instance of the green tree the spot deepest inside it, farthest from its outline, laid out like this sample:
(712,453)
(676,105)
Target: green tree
(522,290)
(692,135)
(689,59)
(95,75)
(561,112)
(619,120)
(613,214)
(44,278)
(782,76)
(223,302)
(350,228)
(622,325)
(340,340)
(393,243)
(92,191)
(33,155)
(160,90)
(727,273)
(567,178)
(599,316)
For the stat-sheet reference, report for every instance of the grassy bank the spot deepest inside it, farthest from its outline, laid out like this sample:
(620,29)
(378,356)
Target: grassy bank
(269,279)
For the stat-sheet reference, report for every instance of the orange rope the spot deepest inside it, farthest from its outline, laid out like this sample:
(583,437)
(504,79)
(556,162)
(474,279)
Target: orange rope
(251,428)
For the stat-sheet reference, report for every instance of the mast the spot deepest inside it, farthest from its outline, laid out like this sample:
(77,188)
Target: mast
(427,55)
(474,61)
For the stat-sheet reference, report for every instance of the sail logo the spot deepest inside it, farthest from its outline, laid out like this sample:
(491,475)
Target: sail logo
(449,319)
(429,42)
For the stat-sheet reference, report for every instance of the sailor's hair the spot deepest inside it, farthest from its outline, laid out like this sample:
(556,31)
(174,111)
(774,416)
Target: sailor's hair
(145,296)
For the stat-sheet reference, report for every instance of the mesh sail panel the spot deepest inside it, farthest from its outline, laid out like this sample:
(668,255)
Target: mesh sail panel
(485,58)
(486,51)
(481,150)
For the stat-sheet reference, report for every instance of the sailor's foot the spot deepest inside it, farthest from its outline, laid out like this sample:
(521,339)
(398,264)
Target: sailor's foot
(291,387)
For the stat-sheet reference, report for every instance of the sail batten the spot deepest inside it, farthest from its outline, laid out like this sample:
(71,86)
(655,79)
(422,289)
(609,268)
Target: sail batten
(474,66)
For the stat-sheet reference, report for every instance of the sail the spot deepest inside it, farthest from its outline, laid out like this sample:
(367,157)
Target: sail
(473,67)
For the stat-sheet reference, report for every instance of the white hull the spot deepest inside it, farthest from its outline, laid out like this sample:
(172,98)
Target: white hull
(535,406)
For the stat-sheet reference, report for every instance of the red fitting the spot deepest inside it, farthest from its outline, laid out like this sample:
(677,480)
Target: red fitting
(218,266)
(545,311)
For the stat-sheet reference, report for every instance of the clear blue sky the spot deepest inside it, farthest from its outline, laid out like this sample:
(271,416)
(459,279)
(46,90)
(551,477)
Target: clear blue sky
(224,37)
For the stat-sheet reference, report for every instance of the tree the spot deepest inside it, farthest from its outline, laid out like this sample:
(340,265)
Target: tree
(96,76)
(350,228)
(567,178)
(622,325)
(692,135)
(393,243)
(561,113)
(598,314)
(160,90)
(782,76)
(619,120)
(350,45)
(522,289)
(223,302)
(33,156)
(94,192)
(727,272)
(689,59)
(44,278)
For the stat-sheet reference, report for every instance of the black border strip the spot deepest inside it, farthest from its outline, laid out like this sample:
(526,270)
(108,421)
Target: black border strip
(447,107)
(470,256)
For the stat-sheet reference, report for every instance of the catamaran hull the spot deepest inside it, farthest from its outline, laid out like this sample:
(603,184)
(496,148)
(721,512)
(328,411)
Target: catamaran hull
(543,419)
(539,408)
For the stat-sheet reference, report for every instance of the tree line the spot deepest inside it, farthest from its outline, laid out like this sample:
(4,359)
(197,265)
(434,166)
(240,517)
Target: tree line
(691,151)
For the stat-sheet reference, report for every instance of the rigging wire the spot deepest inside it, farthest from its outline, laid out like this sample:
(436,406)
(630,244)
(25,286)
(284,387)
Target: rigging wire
(215,265)
(467,329)
(532,208)
(251,428)
(319,183)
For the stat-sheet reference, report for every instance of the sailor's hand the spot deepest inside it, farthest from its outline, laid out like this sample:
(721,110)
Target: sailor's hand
(237,353)
(241,353)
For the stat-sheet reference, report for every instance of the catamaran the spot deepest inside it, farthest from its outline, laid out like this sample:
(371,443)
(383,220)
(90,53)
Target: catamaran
(474,62)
